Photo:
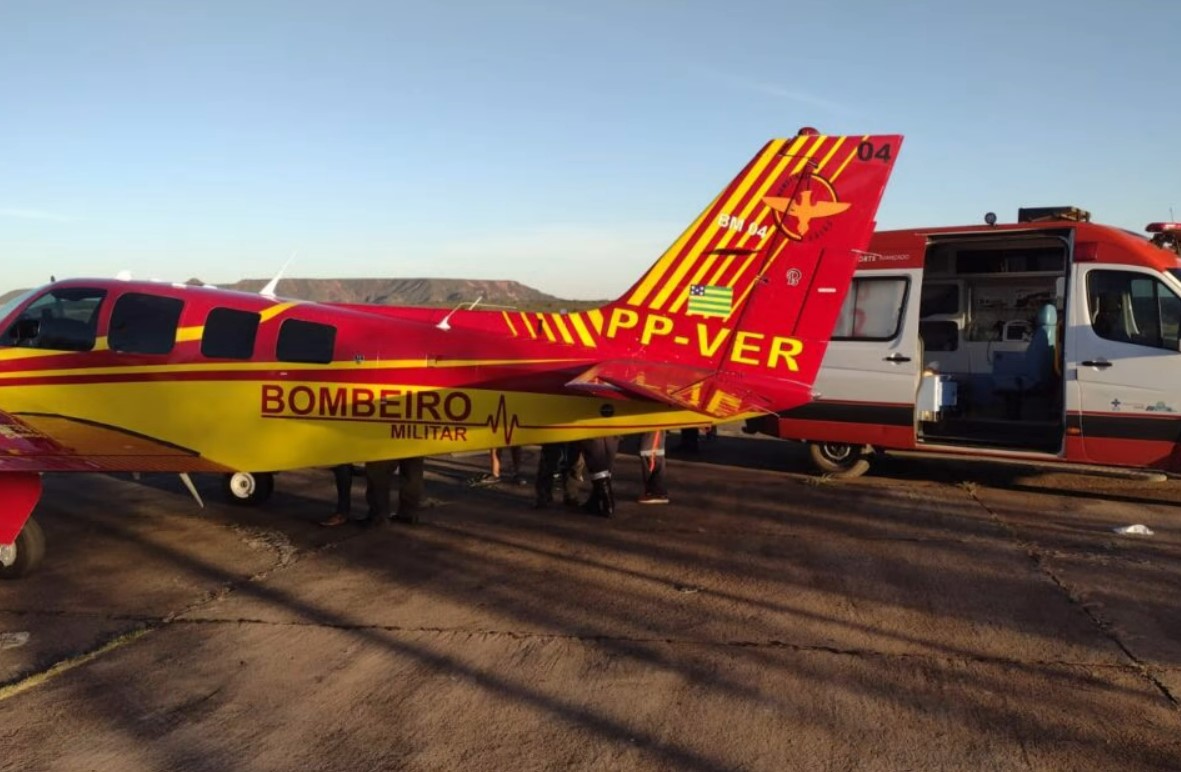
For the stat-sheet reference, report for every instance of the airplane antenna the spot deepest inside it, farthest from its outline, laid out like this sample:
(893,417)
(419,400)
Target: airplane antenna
(445,322)
(188,481)
(272,285)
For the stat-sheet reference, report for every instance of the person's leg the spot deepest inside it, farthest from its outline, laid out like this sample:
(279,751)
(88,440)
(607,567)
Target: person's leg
(491,477)
(573,472)
(411,488)
(378,475)
(343,474)
(517,471)
(547,466)
(652,468)
(600,453)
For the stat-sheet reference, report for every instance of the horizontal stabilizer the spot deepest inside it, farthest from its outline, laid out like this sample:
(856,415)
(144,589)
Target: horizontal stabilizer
(718,395)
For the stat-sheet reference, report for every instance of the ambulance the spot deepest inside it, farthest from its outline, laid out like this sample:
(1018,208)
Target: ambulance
(1049,339)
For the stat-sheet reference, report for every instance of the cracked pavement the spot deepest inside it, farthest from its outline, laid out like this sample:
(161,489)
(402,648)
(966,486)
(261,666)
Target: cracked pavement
(936,614)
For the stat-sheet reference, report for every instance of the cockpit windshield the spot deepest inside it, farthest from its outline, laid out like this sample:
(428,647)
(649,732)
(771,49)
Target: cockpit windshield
(63,319)
(10,305)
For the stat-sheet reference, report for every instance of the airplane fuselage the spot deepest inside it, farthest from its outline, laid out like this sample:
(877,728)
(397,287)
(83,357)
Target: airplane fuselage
(390,387)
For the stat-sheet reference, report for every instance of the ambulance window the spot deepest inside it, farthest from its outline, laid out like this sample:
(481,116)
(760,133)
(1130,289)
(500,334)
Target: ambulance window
(939,299)
(301,341)
(144,324)
(63,319)
(1133,308)
(229,334)
(872,309)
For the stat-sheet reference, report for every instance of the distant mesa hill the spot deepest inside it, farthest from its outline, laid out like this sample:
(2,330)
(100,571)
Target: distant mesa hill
(416,292)
(409,292)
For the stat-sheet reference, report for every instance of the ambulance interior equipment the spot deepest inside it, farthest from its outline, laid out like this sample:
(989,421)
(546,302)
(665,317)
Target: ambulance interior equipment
(988,324)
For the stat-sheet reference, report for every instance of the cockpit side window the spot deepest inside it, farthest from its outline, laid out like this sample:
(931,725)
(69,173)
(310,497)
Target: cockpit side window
(63,319)
(144,324)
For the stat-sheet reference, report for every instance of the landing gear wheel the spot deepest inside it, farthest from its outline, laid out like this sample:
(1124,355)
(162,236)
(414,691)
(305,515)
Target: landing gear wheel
(837,459)
(248,489)
(24,555)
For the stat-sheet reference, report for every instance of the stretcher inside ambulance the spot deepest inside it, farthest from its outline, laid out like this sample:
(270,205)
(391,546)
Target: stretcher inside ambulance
(1050,338)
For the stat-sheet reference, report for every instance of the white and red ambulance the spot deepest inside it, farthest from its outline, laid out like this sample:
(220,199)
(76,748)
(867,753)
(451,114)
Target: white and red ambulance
(1052,338)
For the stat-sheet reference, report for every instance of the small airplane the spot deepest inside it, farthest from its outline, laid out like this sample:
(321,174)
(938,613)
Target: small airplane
(731,321)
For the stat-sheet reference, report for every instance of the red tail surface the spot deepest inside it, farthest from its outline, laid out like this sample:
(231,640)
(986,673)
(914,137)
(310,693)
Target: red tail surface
(739,310)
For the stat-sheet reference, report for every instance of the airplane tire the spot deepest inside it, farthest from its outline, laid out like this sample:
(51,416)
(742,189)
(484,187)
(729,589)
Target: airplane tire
(249,489)
(29,551)
(836,459)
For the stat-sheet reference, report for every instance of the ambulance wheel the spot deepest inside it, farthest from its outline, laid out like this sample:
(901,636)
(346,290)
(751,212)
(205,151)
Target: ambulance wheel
(248,489)
(837,459)
(24,555)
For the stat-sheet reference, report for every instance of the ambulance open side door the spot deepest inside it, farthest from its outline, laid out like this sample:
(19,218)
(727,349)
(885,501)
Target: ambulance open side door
(1122,347)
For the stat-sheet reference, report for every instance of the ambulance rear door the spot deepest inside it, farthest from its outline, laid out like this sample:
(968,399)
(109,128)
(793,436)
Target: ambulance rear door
(869,377)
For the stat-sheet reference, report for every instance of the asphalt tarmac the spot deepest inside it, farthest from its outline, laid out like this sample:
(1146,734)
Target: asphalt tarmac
(932,615)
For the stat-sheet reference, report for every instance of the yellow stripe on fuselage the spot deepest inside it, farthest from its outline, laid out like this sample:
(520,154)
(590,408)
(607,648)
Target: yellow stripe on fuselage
(253,425)
(246,367)
(270,313)
(584,334)
(562,330)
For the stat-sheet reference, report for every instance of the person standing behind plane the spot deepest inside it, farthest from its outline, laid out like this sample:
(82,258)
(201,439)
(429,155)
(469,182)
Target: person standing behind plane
(558,460)
(652,468)
(599,453)
(493,477)
(379,476)
(343,473)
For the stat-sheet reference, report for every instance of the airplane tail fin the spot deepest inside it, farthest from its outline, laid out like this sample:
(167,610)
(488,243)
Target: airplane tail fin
(739,310)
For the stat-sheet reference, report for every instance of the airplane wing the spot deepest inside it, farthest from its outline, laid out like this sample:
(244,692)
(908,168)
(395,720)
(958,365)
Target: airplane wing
(53,443)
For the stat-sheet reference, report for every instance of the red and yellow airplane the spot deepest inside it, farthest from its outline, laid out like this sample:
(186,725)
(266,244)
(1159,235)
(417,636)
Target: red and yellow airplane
(731,321)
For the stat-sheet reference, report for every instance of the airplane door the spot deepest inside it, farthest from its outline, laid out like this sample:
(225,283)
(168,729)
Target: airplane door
(870,372)
(1122,346)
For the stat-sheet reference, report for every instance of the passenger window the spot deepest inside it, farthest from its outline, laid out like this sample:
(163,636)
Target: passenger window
(1133,308)
(144,324)
(63,319)
(229,334)
(872,309)
(939,299)
(940,335)
(301,341)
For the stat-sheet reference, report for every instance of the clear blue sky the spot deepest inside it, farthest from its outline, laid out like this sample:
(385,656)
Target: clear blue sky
(562,144)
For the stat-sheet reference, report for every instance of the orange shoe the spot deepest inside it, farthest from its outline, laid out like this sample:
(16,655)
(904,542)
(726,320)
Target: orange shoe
(335,520)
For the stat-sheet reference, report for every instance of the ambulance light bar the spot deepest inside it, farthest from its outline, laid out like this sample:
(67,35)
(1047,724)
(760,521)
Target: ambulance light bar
(1041,213)
(1163,227)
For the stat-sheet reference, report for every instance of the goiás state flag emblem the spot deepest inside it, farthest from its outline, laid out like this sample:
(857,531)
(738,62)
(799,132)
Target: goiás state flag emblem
(710,300)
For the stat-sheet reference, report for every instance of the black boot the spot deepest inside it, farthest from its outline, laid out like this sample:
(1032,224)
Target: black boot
(604,498)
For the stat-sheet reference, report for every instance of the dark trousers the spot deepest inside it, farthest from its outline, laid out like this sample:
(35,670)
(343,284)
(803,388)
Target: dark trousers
(379,478)
(558,459)
(652,463)
(344,488)
(599,453)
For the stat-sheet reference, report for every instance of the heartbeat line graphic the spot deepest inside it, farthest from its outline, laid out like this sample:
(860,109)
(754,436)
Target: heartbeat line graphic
(502,417)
